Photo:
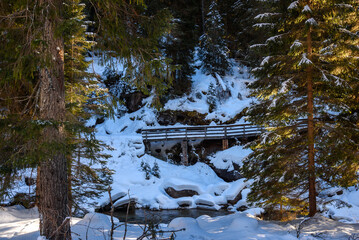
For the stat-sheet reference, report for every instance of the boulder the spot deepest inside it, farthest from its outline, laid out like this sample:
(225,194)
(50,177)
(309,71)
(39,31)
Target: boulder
(236,199)
(228,176)
(170,117)
(133,101)
(122,204)
(180,193)
(106,206)
(184,203)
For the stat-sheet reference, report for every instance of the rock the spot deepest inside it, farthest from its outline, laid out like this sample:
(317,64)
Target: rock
(181,193)
(340,192)
(170,117)
(99,121)
(228,176)
(206,207)
(242,208)
(106,206)
(23,199)
(184,202)
(133,101)
(29,181)
(122,204)
(236,199)
(204,202)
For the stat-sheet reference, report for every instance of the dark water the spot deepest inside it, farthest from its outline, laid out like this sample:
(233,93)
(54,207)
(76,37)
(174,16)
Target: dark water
(142,216)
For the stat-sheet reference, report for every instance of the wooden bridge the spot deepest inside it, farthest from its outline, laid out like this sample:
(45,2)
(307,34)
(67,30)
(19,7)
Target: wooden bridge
(201,132)
(224,132)
(186,133)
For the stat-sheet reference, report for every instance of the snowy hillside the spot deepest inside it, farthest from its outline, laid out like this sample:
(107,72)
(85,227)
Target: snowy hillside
(230,92)
(212,192)
(135,174)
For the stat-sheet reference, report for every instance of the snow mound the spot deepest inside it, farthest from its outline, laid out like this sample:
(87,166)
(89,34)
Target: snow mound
(243,223)
(16,213)
(225,159)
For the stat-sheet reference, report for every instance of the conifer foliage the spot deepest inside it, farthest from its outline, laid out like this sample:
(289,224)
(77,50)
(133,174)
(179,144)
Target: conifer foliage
(213,50)
(46,93)
(308,70)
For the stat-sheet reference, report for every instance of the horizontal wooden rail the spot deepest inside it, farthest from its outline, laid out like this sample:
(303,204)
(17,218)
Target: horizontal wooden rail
(205,132)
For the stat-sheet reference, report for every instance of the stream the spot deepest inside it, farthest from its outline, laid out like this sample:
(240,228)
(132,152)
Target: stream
(141,216)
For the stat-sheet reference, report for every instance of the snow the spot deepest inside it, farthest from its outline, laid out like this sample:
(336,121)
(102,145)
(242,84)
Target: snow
(263,25)
(293,5)
(304,61)
(296,44)
(220,80)
(306,9)
(245,226)
(235,83)
(225,159)
(345,207)
(311,22)
(129,178)
(265,60)
(235,188)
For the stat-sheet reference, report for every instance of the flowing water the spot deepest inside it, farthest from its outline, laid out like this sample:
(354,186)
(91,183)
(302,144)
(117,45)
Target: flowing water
(142,216)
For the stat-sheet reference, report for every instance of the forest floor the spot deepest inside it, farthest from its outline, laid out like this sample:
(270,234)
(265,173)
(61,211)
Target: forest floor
(339,218)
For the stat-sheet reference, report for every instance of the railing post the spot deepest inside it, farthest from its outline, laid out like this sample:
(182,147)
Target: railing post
(225,139)
(166,134)
(184,157)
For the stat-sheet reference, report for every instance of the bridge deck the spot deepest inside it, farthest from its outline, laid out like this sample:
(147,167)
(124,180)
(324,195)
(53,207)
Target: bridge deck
(201,132)
(206,132)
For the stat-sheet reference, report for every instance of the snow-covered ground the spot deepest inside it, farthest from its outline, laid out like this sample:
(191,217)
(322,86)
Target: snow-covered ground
(18,223)
(227,107)
(213,192)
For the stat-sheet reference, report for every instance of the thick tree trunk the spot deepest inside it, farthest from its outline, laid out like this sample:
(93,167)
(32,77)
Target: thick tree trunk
(311,150)
(52,189)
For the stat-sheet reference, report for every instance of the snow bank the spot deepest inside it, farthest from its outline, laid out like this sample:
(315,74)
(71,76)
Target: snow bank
(244,226)
(225,159)
(227,109)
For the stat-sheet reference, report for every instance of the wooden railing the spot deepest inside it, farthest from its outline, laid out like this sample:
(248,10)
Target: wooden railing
(201,132)
(206,132)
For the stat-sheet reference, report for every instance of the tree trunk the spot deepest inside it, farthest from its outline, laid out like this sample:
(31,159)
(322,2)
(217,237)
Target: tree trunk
(52,189)
(311,150)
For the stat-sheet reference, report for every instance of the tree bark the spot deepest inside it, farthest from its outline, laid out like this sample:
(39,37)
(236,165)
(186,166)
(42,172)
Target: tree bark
(311,150)
(52,189)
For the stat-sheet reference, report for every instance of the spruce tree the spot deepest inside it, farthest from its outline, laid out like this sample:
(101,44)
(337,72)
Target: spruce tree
(213,50)
(36,75)
(84,99)
(180,42)
(308,71)
(247,31)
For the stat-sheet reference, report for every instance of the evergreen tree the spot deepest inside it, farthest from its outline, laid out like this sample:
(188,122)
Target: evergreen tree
(307,73)
(246,32)
(179,44)
(213,50)
(35,74)
(84,99)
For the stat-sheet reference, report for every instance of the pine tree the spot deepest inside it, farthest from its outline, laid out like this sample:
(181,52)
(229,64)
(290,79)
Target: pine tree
(36,74)
(180,42)
(213,50)
(307,73)
(84,99)
(246,31)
